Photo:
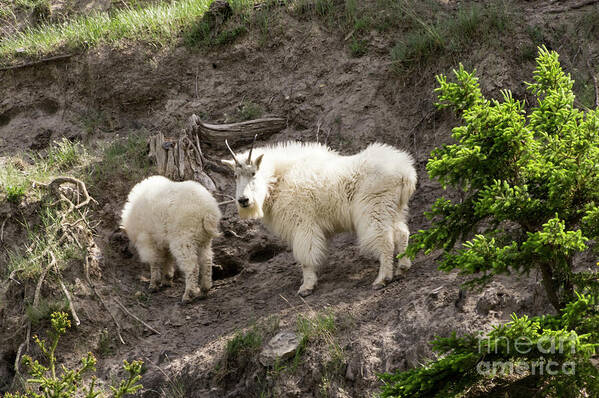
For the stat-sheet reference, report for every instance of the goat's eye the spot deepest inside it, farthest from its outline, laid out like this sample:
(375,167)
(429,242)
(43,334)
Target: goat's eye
(253,174)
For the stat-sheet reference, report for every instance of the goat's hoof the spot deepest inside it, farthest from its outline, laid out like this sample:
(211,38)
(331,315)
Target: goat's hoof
(379,285)
(404,264)
(305,292)
(188,300)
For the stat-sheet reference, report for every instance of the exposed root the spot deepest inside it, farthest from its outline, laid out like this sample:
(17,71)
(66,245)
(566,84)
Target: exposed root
(58,234)
(71,306)
(40,61)
(40,281)
(2,228)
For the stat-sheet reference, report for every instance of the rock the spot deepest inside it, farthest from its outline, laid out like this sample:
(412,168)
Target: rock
(280,347)
(353,369)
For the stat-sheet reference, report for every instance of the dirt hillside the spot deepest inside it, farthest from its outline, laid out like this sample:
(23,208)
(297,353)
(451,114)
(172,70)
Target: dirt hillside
(304,72)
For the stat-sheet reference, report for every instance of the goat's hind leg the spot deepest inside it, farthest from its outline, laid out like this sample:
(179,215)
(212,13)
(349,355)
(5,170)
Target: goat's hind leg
(402,235)
(168,270)
(377,237)
(184,251)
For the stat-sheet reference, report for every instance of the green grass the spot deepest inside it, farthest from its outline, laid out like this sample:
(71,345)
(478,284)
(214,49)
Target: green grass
(17,176)
(450,33)
(243,343)
(588,23)
(159,24)
(105,344)
(13,185)
(44,310)
(64,154)
(243,348)
(176,388)
(320,328)
(17,179)
(358,47)
(125,158)
(32,258)
(250,110)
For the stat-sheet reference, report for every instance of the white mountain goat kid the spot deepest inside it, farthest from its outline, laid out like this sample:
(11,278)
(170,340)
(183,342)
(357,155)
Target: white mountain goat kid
(306,193)
(168,221)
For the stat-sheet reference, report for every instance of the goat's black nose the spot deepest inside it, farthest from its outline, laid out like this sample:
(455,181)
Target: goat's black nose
(243,201)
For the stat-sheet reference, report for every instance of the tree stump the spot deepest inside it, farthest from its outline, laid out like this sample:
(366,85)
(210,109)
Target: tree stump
(180,159)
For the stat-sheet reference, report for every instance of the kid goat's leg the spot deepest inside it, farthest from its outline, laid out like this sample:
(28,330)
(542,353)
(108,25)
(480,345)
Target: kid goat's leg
(185,252)
(148,253)
(205,255)
(168,270)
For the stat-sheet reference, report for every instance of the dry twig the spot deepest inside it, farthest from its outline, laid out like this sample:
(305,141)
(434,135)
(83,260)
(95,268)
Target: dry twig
(41,61)
(71,306)
(135,317)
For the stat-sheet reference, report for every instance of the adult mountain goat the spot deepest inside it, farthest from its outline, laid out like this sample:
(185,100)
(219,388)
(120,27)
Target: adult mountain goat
(167,221)
(305,193)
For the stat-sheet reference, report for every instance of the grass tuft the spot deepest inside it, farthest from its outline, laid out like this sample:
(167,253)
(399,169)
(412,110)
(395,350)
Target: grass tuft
(124,158)
(44,310)
(449,34)
(358,47)
(320,328)
(159,24)
(64,154)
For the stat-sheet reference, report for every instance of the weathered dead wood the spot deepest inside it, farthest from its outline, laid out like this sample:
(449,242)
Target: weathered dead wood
(180,159)
(235,133)
(574,6)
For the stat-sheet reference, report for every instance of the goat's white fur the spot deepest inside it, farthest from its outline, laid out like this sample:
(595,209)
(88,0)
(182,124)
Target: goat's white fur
(168,221)
(305,193)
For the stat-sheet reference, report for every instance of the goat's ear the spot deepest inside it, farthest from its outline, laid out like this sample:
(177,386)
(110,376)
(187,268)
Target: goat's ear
(230,163)
(258,161)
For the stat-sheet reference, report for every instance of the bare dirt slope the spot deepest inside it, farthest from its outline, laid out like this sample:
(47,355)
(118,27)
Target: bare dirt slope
(305,73)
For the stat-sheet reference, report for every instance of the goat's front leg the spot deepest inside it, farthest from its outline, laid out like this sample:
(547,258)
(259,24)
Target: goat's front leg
(309,249)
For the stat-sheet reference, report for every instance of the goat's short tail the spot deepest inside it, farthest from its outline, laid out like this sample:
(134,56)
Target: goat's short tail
(407,190)
(211,225)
